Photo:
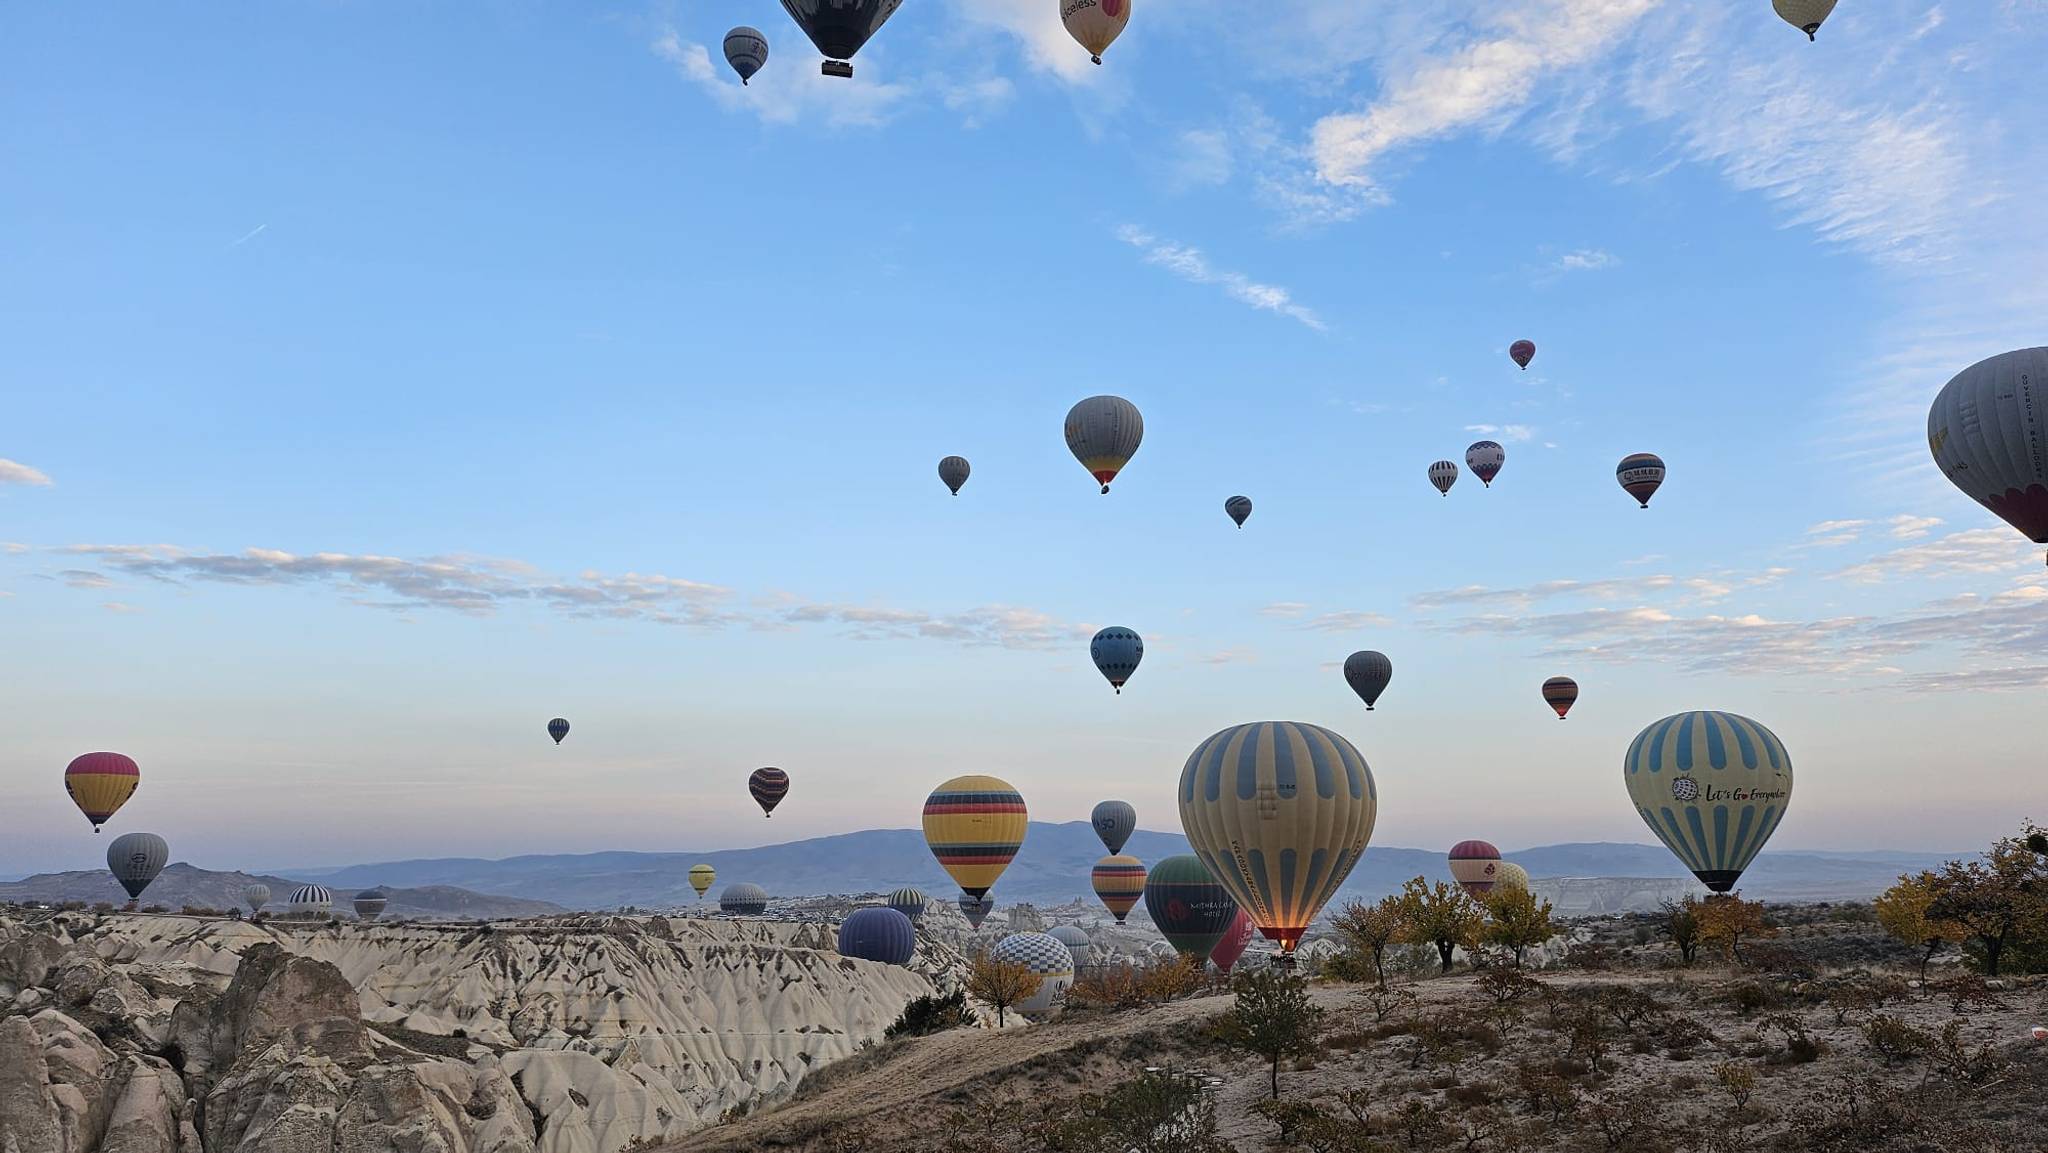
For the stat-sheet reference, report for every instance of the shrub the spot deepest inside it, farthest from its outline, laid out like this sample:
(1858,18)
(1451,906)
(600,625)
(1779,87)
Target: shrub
(1630,1007)
(1544,1091)
(1272,1017)
(1683,1034)
(1800,1046)
(1382,1001)
(1894,1039)
(1738,1080)
(931,1014)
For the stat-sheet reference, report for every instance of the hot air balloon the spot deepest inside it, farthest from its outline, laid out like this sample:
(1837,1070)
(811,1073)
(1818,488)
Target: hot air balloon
(743,900)
(883,936)
(1510,876)
(974,826)
(370,904)
(311,901)
(1044,955)
(1095,24)
(1988,430)
(1279,812)
(746,50)
(1713,786)
(1474,864)
(975,909)
(1640,473)
(1522,352)
(908,902)
(1443,474)
(135,859)
(100,783)
(1117,652)
(768,786)
(1103,433)
(702,877)
(839,27)
(1188,906)
(1238,508)
(1805,15)
(1114,822)
(1119,881)
(1368,673)
(558,728)
(256,896)
(1075,940)
(1232,944)
(953,472)
(1484,458)
(1559,693)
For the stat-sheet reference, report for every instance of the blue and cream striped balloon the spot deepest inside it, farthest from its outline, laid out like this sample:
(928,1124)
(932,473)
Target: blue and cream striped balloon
(1713,786)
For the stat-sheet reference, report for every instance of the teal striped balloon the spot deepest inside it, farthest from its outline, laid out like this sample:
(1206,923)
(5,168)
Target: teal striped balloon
(1713,786)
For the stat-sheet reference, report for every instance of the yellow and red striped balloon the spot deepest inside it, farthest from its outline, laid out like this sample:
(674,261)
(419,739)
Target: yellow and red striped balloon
(1120,882)
(100,783)
(974,825)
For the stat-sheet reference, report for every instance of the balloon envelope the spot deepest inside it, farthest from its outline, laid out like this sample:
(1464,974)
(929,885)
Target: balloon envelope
(1188,905)
(558,728)
(743,899)
(746,50)
(702,877)
(1988,431)
(1443,474)
(840,27)
(975,909)
(1042,954)
(1279,812)
(1075,940)
(1510,876)
(1095,24)
(1559,693)
(370,904)
(1368,673)
(974,825)
(768,787)
(1232,944)
(953,472)
(1238,508)
(1522,352)
(1713,786)
(256,896)
(1485,458)
(1116,652)
(1640,475)
(1114,821)
(100,783)
(135,859)
(909,902)
(884,936)
(1474,865)
(1103,433)
(1119,881)
(311,900)
(1805,15)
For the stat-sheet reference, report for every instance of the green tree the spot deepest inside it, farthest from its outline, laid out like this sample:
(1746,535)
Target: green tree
(1516,920)
(1727,920)
(1001,983)
(1902,910)
(1440,915)
(1682,925)
(1273,1017)
(1999,900)
(1367,930)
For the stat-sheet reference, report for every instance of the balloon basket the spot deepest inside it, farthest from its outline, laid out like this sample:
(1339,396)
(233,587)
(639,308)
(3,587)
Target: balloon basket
(840,68)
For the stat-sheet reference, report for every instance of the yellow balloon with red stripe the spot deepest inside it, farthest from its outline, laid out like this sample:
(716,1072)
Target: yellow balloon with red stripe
(100,783)
(974,825)
(1120,883)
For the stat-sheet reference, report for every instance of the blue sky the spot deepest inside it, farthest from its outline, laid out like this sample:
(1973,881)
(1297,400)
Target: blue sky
(380,383)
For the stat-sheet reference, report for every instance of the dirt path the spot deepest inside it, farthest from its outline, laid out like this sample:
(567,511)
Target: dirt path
(929,1066)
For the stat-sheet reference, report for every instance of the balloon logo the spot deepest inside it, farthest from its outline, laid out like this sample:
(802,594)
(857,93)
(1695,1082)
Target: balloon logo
(1685,789)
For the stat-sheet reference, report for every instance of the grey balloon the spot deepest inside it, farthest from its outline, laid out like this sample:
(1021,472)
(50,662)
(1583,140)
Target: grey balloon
(370,904)
(1238,508)
(256,896)
(135,859)
(746,50)
(1367,672)
(953,470)
(1114,821)
(1075,940)
(1104,432)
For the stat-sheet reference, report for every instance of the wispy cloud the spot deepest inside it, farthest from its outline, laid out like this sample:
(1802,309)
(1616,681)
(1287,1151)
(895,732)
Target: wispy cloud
(1478,83)
(1586,260)
(1973,551)
(1833,533)
(482,587)
(1346,621)
(1511,433)
(1909,527)
(248,236)
(1287,609)
(1191,265)
(14,472)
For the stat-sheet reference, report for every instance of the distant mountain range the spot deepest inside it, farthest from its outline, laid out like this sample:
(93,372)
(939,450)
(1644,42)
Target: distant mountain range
(181,885)
(1052,869)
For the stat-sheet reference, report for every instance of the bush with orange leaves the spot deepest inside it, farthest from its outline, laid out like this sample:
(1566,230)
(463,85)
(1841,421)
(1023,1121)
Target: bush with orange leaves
(1117,986)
